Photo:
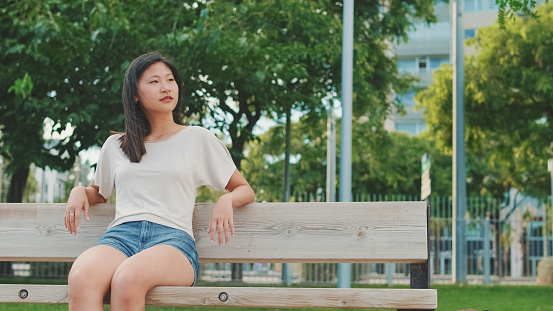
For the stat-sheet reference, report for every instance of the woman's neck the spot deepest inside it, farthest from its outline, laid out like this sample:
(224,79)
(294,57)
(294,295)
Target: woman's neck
(163,129)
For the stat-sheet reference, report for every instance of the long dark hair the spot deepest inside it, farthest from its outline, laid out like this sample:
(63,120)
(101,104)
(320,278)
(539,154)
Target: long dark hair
(137,126)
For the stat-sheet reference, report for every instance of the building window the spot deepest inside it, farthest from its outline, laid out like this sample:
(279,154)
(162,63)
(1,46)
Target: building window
(470,33)
(470,6)
(422,63)
(438,31)
(480,5)
(406,65)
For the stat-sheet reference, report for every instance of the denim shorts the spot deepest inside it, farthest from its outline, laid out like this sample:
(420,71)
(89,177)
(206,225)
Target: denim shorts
(130,238)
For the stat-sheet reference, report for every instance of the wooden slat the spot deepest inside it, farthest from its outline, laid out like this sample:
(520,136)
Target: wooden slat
(265,232)
(35,232)
(260,297)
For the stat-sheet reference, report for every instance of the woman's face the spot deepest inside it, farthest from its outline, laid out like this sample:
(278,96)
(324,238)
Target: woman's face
(158,92)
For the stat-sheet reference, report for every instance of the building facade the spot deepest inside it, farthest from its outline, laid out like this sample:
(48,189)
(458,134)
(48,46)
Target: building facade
(429,47)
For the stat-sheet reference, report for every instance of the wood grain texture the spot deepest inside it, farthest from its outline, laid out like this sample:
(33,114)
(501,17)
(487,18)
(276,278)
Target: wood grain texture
(265,232)
(261,297)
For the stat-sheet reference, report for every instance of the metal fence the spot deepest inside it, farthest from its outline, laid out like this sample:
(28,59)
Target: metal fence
(504,244)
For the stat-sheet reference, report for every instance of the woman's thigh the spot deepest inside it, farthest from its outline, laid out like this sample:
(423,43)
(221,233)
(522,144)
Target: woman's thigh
(156,266)
(94,269)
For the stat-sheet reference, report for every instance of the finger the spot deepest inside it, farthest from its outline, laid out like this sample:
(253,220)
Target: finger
(231,225)
(212,226)
(72,222)
(86,211)
(65,222)
(227,231)
(77,219)
(220,230)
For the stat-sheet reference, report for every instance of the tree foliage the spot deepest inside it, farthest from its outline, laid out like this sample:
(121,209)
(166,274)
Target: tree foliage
(382,162)
(241,60)
(508,104)
(253,59)
(510,8)
(64,60)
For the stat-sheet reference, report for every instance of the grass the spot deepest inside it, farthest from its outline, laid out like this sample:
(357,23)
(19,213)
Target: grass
(450,297)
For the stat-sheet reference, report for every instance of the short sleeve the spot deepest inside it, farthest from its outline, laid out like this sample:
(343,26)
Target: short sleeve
(216,165)
(104,177)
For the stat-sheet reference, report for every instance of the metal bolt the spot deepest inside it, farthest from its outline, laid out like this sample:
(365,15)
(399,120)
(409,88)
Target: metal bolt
(223,297)
(23,294)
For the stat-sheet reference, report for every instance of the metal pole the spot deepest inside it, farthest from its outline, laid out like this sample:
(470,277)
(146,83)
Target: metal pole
(390,268)
(287,158)
(286,267)
(331,158)
(459,174)
(344,270)
(550,169)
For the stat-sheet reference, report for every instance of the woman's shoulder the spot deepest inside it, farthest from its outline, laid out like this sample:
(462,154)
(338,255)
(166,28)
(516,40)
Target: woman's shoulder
(113,140)
(200,131)
(114,137)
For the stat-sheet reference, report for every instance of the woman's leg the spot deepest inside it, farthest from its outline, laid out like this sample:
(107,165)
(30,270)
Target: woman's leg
(90,277)
(158,265)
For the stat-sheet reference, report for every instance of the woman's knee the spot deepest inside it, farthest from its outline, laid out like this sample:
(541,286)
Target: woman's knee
(85,288)
(91,273)
(79,277)
(128,279)
(127,287)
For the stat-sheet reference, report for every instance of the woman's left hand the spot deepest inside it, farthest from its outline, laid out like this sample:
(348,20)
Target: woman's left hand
(222,220)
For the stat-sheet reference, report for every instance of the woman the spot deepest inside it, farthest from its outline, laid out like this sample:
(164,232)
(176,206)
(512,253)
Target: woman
(156,167)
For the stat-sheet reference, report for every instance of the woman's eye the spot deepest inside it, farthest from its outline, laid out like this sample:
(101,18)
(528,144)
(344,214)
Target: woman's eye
(171,79)
(153,81)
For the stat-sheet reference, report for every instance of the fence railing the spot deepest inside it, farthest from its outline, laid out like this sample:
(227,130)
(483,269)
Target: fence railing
(503,243)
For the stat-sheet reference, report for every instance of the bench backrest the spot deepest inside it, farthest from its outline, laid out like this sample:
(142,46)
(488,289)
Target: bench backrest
(364,232)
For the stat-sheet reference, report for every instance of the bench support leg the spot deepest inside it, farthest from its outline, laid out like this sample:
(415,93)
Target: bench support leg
(420,273)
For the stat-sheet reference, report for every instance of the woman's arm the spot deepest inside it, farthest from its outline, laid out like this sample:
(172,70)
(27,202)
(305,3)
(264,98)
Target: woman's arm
(240,193)
(81,198)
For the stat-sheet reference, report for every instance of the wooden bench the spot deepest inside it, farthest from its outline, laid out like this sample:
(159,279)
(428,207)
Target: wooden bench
(384,232)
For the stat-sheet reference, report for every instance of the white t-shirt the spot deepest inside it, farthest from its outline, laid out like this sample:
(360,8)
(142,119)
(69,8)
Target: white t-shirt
(161,188)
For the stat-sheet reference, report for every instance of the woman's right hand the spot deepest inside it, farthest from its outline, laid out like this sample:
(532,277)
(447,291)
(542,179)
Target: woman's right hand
(77,201)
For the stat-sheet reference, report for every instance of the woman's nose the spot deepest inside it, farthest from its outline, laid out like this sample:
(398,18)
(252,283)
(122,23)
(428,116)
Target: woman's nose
(165,87)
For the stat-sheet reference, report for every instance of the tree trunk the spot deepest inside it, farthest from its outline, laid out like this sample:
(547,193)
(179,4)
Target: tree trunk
(239,139)
(237,151)
(17,184)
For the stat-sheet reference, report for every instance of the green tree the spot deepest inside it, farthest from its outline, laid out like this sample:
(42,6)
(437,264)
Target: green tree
(508,112)
(511,7)
(253,59)
(382,162)
(509,107)
(64,60)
